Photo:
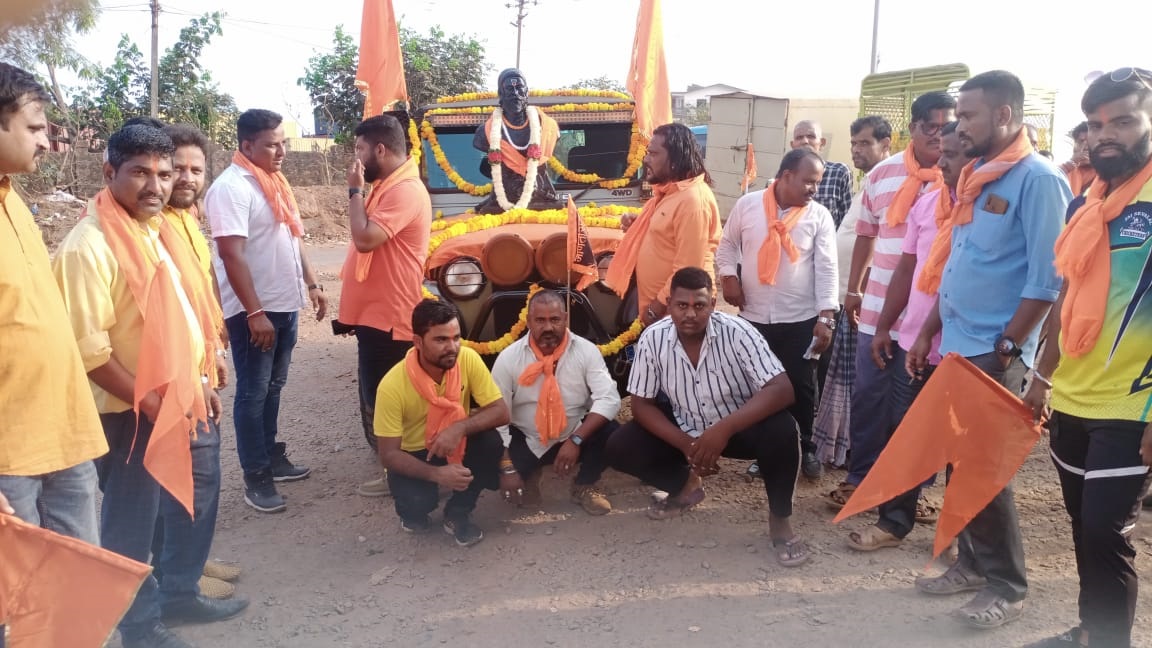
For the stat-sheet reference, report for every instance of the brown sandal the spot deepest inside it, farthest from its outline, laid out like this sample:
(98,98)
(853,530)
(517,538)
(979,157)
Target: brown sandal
(871,539)
(839,497)
(926,513)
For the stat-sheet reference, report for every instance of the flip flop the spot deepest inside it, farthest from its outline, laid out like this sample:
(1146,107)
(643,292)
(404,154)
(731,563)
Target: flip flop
(872,539)
(795,552)
(926,513)
(675,506)
(839,497)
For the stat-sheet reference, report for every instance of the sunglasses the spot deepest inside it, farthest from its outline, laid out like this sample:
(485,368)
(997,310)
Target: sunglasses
(1123,74)
(930,129)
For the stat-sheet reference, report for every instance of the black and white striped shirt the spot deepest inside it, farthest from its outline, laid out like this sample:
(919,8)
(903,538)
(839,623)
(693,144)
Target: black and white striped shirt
(735,363)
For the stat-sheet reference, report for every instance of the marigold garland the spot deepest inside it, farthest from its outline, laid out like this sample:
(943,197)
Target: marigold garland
(568,92)
(616,345)
(608,216)
(558,108)
(429,134)
(416,151)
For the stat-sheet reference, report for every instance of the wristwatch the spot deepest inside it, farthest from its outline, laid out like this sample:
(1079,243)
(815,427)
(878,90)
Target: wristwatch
(352,191)
(827,321)
(1006,346)
(576,440)
(316,286)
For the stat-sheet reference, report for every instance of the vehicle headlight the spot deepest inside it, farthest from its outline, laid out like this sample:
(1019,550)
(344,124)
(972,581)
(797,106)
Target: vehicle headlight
(462,279)
(602,263)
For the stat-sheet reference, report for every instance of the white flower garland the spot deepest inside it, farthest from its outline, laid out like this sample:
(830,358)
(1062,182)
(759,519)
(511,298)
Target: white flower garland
(495,132)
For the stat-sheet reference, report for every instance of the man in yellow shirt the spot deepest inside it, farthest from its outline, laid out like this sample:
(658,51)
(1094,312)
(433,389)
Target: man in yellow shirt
(428,436)
(50,432)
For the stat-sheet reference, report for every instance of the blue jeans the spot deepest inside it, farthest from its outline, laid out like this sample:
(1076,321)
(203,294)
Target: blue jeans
(63,501)
(873,407)
(260,377)
(181,544)
(131,504)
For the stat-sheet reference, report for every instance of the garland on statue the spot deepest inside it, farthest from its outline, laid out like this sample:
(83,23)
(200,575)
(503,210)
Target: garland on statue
(570,92)
(557,108)
(496,158)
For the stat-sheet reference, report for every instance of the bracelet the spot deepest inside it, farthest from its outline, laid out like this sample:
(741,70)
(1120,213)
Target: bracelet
(316,286)
(1038,376)
(221,353)
(204,379)
(258,311)
(856,294)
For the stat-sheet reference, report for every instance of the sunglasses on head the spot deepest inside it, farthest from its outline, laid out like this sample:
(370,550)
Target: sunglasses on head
(1123,74)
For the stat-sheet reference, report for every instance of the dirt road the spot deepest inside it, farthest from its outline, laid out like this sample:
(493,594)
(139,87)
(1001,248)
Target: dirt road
(335,569)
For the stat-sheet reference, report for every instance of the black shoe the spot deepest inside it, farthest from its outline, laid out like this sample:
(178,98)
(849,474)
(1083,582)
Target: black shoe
(284,470)
(260,493)
(157,636)
(202,610)
(415,526)
(466,533)
(753,472)
(811,466)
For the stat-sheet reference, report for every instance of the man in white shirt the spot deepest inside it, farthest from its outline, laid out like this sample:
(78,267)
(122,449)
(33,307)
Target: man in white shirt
(777,264)
(265,281)
(705,385)
(563,402)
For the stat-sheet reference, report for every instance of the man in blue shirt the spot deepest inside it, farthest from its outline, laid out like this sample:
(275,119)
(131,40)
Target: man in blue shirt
(998,285)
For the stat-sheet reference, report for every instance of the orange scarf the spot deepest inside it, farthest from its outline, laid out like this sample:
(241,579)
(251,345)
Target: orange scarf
(1080,178)
(165,364)
(779,237)
(1083,258)
(972,181)
(910,189)
(277,192)
(516,160)
(186,219)
(406,171)
(442,410)
(551,417)
(623,265)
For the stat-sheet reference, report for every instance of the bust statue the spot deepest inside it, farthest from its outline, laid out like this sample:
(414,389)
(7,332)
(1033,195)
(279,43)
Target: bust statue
(518,140)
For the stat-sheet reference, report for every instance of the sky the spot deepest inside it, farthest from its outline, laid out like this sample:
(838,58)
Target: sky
(806,49)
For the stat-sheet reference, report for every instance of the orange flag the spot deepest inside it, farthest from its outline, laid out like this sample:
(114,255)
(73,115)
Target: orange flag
(962,417)
(380,73)
(580,258)
(750,171)
(648,76)
(59,591)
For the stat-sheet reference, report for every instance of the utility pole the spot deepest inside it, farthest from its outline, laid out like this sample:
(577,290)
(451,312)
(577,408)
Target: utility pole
(521,13)
(875,37)
(155,93)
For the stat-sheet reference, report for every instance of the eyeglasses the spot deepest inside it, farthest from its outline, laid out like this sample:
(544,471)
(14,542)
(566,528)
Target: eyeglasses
(1123,74)
(930,129)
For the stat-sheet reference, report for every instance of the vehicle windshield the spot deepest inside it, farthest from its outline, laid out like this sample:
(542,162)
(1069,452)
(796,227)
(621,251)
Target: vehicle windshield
(583,148)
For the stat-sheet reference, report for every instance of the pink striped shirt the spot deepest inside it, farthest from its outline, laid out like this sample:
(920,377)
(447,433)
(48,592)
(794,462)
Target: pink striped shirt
(879,188)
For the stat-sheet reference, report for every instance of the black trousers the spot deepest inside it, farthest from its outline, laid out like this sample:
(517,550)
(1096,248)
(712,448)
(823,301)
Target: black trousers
(773,443)
(789,342)
(898,516)
(416,498)
(1104,481)
(592,461)
(376,354)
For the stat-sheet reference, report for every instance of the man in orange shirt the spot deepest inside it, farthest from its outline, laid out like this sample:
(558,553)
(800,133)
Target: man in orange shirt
(51,430)
(390,226)
(678,228)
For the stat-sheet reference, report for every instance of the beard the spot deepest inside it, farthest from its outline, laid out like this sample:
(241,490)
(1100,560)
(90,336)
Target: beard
(183,197)
(1128,162)
(371,170)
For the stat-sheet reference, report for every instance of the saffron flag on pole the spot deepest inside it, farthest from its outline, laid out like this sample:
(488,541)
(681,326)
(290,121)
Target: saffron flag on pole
(750,171)
(964,418)
(580,257)
(648,75)
(58,591)
(380,72)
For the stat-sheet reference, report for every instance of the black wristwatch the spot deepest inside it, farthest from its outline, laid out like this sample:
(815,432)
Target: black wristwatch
(576,440)
(1006,347)
(352,191)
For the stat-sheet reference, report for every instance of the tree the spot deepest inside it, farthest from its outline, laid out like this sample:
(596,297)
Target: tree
(602,82)
(435,65)
(42,41)
(187,93)
(330,80)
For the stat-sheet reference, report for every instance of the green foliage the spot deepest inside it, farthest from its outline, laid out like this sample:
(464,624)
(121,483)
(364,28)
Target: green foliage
(435,64)
(187,94)
(602,82)
(43,42)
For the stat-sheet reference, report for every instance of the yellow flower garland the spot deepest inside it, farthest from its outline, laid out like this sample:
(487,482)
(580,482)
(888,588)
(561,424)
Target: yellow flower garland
(608,216)
(572,92)
(417,151)
(636,152)
(613,347)
(558,108)
(463,185)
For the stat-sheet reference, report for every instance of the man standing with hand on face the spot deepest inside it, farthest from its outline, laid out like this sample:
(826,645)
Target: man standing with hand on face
(390,222)
(785,243)
(429,436)
(265,280)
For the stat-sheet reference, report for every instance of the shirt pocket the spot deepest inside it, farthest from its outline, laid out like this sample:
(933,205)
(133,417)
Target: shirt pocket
(994,233)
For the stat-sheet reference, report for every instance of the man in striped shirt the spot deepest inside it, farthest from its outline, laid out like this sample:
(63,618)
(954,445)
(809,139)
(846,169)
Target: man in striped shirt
(705,385)
(880,239)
